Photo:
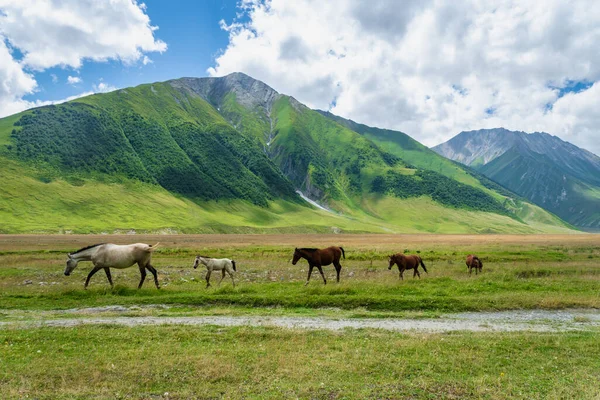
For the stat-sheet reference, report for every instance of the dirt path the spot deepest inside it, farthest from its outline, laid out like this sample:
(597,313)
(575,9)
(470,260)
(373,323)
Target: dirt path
(504,321)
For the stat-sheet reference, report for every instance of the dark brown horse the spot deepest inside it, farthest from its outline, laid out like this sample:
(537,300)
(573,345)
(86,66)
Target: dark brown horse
(319,258)
(406,262)
(474,262)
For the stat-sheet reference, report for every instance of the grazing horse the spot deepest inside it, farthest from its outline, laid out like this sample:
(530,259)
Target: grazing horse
(216,264)
(319,258)
(474,262)
(108,255)
(405,262)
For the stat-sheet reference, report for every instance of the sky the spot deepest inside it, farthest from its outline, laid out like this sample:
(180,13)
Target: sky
(429,68)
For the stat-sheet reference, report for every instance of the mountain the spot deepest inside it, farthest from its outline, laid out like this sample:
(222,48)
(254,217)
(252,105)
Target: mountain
(552,173)
(231,154)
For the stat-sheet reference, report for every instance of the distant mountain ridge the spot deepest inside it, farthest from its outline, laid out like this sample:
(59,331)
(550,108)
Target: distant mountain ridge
(235,146)
(550,172)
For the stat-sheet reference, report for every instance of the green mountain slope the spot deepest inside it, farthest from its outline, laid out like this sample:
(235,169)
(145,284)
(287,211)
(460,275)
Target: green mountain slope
(222,155)
(420,156)
(156,134)
(408,149)
(553,174)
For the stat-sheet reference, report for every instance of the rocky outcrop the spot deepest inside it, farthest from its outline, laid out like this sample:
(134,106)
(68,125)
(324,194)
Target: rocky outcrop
(477,148)
(249,92)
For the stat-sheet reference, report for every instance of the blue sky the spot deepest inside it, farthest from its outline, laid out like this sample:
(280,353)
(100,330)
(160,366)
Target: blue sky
(429,68)
(191,31)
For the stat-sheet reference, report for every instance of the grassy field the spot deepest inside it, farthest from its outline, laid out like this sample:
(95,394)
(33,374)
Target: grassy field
(88,206)
(179,362)
(211,362)
(546,271)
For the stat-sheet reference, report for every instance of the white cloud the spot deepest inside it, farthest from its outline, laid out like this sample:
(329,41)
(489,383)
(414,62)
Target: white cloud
(51,33)
(14,82)
(429,68)
(40,103)
(55,32)
(97,88)
(103,88)
(73,80)
(54,78)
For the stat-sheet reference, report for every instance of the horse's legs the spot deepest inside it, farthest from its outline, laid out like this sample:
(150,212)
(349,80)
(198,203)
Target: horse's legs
(401,273)
(338,268)
(143,277)
(222,276)
(322,274)
(416,273)
(153,270)
(231,275)
(107,270)
(92,272)
(310,268)
(208,277)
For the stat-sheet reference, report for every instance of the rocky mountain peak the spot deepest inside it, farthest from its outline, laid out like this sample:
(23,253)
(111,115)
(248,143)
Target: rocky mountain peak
(552,173)
(250,93)
(478,147)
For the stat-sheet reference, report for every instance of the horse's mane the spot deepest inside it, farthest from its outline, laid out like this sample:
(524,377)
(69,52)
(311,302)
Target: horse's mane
(400,255)
(87,247)
(310,249)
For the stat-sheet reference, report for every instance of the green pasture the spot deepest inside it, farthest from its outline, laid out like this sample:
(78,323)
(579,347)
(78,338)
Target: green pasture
(34,201)
(527,276)
(177,362)
(209,362)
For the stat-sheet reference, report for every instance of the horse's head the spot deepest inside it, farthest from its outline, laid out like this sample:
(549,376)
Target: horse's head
(391,261)
(71,264)
(196,262)
(297,256)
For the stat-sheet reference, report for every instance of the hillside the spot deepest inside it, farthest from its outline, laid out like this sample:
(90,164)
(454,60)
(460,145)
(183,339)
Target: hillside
(227,155)
(551,173)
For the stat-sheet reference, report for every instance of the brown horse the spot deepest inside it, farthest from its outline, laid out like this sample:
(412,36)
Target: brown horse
(406,262)
(474,262)
(319,258)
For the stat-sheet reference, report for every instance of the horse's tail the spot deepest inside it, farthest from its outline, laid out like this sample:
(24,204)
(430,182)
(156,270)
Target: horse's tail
(152,248)
(233,264)
(422,264)
(343,253)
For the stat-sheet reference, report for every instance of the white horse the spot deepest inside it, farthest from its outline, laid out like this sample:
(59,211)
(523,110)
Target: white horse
(108,255)
(216,264)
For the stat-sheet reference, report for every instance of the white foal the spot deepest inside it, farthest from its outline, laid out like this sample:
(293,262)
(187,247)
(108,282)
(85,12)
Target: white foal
(216,264)
(108,255)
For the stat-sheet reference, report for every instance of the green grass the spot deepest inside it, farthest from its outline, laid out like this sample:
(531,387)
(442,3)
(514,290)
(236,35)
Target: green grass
(179,362)
(210,362)
(515,276)
(28,204)
(6,127)
(32,202)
